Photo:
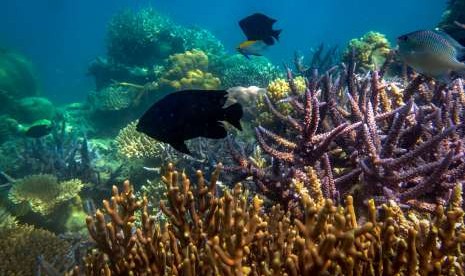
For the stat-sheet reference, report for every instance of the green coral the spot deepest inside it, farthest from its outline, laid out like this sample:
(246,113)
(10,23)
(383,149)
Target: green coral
(30,109)
(8,128)
(188,70)
(17,77)
(236,70)
(141,38)
(371,50)
(112,98)
(43,192)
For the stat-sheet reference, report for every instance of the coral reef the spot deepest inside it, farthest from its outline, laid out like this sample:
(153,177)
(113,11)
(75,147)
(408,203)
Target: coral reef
(17,77)
(371,50)
(320,59)
(62,154)
(112,98)
(207,234)
(236,70)
(30,109)
(8,128)
(454,13)
(369,142)
(188,70)
(141,38)
(24,249)
(43,192)
(134,144)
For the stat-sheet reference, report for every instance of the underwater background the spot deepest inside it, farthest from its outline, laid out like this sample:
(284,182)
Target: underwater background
(62,37)
(332,150)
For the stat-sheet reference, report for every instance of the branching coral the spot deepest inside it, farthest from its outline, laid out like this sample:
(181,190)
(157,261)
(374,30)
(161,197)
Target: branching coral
(43,192)
(134,144)
(189,70)
(368,142)
(23,245)
(232,234)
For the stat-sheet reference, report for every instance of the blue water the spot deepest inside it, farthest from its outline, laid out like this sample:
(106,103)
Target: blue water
(62,37)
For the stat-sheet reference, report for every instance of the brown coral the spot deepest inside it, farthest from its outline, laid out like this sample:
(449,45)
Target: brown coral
(22,245)
(233,234)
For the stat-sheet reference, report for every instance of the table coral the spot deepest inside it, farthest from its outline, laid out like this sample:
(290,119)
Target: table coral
(43,192)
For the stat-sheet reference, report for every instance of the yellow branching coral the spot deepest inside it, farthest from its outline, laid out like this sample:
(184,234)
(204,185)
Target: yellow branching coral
(134,144)
(208,234)
(189,70)
(43,192)
(22,246)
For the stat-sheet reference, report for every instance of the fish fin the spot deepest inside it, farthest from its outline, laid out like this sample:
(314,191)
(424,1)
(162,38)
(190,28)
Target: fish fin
(268,40)
(216,131)
(181,147)
(276,34)
(246,56)
(461,54)
(233,115)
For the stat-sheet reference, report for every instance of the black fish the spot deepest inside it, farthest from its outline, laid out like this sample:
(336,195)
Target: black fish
(39,130)
(259,27)
(188,114)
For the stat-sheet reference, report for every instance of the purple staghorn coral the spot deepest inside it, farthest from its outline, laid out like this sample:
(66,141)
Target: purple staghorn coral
(365,136)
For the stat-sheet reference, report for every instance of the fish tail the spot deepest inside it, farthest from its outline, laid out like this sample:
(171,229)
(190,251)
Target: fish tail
(233,115)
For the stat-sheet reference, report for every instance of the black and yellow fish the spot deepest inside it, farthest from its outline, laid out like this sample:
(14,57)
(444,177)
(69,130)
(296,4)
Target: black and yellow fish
(258,29)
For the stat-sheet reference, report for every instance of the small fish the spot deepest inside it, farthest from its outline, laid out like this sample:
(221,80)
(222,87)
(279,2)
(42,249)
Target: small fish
(252,48)
(39,129)
(432,53)
(258,28)
(188,114)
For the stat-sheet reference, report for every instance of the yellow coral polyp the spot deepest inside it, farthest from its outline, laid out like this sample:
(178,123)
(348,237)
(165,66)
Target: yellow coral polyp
(279,88)
(189,70)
